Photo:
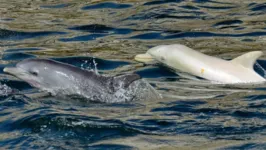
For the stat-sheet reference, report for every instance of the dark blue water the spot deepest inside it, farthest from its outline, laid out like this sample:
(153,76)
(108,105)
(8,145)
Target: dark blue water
(106,35)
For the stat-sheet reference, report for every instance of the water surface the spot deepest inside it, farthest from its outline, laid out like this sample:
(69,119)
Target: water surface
(106,35)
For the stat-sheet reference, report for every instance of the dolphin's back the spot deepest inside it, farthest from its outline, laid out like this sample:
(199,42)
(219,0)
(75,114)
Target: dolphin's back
(67,80)
(59,66)
(191,61)
(186,52)
(111,83)
(188,60)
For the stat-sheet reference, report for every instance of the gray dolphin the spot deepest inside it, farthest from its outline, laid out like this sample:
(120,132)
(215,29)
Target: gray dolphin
(59,78)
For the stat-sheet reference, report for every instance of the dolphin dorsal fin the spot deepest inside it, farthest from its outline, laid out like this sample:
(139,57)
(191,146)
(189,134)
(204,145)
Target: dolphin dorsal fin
(248,59)
(114,83)
(125,80)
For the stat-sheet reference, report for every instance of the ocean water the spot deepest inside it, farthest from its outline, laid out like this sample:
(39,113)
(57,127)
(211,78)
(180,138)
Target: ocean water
(106,35)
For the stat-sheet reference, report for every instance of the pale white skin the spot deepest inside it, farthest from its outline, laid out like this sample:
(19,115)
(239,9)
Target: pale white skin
(185,59)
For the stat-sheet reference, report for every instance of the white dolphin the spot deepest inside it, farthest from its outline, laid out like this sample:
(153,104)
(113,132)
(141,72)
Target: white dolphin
(185,59)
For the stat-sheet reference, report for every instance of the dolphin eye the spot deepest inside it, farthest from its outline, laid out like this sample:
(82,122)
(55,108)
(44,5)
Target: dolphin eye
(34,73)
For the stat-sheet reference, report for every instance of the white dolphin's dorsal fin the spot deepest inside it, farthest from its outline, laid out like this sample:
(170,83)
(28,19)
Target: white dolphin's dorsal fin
(248,59)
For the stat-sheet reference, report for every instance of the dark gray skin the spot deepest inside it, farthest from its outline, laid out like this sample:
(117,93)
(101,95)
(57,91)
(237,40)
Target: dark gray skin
(60,78)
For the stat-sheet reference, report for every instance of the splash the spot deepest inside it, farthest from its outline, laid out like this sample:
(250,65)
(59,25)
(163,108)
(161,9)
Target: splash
(95,66)
(88,66)
(138,90)
(83,64)
(5,90)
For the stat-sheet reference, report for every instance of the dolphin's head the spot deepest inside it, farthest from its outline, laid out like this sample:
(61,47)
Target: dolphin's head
(40,73)
(156,53)
(165,54)
(159,52)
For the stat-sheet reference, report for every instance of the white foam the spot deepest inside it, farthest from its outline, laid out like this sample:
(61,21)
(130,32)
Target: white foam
(5,90)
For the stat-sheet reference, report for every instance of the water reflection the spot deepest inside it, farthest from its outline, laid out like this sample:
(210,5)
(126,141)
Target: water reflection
(18,35)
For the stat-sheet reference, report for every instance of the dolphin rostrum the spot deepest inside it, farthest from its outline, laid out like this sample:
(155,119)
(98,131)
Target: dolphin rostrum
(65,79)
(185,59)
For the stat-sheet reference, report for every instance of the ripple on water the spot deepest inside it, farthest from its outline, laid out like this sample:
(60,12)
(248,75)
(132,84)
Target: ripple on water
(51,123)
(23,49)
(110,5)
(14,101)
(211,1)
(152,126)
(18,85)
(160,16)
(259,7)
(88,37)
(189,7)
(218,7)
(16,56)
(256,97)
(155,72)
(110,147)
(71,127)
(98,28)
(249,114)
(153,36)
(167,13)
(158,2)
(250,146)
(20,35)
(95,28)
(97,31)
(180,106)
(260,66)
(148,36)
(55,6)
(6,19)
(228,22)
(92,63)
